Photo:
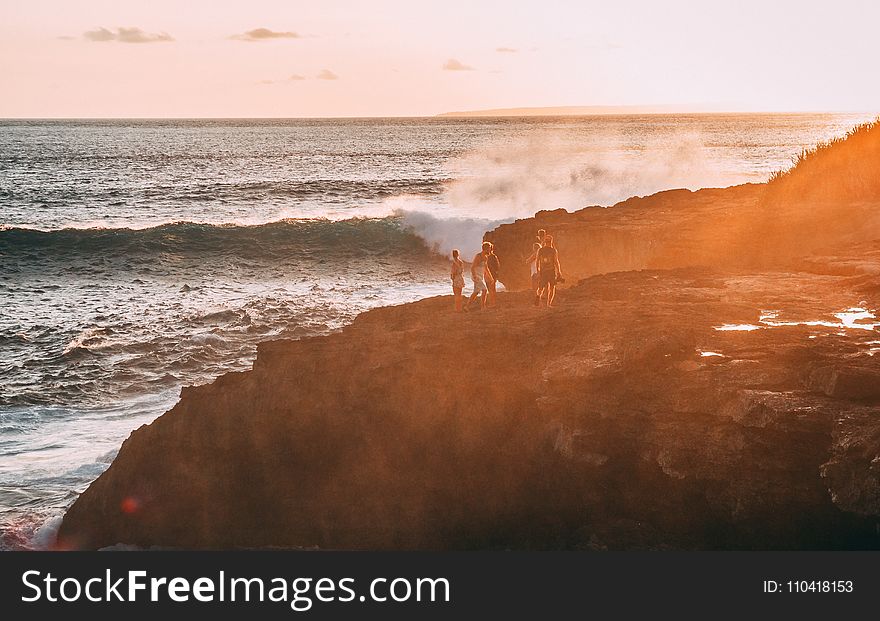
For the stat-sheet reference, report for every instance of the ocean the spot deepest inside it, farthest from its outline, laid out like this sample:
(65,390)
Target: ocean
(139,256)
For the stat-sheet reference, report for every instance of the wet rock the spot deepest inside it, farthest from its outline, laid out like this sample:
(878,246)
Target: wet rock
(851,382)
(853,472)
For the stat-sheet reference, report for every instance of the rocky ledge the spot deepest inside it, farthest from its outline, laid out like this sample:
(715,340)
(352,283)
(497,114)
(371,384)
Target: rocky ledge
(673,399)
(622,418)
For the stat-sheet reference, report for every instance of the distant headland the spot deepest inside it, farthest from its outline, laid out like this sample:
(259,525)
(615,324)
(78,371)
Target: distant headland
(585,110)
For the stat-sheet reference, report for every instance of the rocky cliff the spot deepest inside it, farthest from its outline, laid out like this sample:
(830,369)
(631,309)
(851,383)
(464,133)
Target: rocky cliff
(711,383)
(722,228)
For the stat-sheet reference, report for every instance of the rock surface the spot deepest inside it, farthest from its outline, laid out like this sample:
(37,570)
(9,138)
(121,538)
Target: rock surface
(731,227)
(601,423)
(709,384)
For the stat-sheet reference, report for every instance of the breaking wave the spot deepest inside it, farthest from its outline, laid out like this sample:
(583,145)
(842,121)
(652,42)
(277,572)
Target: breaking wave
(357,236)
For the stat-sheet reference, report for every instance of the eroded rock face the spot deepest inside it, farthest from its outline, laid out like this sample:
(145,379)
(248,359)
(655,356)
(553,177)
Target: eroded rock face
(719,228)
(623,418)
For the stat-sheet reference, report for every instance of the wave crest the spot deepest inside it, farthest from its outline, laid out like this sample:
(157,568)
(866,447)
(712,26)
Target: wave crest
(356,236)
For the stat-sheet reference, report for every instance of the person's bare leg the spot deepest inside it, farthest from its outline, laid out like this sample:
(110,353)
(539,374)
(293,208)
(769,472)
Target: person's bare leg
(483,300)
(458,301)
(551,293)
(471,299)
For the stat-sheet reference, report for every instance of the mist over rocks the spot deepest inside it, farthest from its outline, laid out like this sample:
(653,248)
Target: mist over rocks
(708,384)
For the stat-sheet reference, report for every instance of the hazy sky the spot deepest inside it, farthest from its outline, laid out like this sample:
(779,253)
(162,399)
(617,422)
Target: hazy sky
(283,58)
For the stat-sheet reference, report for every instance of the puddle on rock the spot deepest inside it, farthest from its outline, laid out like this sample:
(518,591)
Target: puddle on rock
(852,318)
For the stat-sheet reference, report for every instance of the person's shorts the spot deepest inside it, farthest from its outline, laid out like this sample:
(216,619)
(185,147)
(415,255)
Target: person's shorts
(479,285)
(546,277)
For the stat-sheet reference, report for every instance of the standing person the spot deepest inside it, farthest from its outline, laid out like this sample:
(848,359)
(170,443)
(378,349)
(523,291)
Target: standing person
(549,269)
(478,267)
(540,237)
(493,268)
(457,279)
(533,271)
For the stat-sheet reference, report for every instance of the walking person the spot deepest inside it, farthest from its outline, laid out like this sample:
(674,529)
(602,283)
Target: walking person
(549,270)
(478,268)
(457,275)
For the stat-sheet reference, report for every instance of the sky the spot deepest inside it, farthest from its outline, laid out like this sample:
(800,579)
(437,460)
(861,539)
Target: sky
(329,58)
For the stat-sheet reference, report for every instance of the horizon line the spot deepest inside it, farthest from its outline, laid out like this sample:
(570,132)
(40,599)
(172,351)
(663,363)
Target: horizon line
(476,114)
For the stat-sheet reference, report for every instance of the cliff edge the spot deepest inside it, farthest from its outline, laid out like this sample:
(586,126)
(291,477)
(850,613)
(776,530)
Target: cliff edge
(675,398)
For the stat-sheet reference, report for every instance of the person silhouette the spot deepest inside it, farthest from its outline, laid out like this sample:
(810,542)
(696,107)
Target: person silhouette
(457,279)
(549,270)
(533,271)
(493,269)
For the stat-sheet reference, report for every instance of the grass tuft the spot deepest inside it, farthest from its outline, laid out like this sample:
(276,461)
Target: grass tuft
(845,169)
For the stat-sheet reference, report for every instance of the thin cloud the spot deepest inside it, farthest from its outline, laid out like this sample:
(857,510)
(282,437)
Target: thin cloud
(326,74)
(506,50)
(101,34)
(264,34)
(293,78)
(456,65)
(126,35)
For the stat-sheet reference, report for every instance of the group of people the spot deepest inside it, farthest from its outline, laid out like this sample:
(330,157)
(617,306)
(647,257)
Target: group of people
(485,270)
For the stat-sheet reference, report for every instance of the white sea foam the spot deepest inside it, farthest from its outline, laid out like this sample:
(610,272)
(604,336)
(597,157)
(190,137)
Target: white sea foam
(499,182)
(444,234)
